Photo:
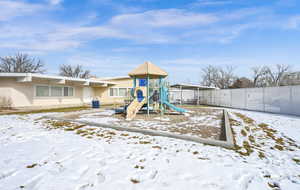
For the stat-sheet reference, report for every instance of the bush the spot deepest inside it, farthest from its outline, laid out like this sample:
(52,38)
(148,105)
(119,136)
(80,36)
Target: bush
(5,102)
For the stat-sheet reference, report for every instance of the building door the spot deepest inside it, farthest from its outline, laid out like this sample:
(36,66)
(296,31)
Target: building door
(87,94)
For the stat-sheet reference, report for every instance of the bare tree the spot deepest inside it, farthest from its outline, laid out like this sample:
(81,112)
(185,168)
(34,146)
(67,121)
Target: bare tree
(74,71)
(260,76)
(218,77)
(225,77)
(276,74)
(209,76)
(21,63)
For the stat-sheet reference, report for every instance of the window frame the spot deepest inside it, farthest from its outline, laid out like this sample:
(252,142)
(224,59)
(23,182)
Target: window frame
(62,92)
(35,91)
(118,92)
(49,94)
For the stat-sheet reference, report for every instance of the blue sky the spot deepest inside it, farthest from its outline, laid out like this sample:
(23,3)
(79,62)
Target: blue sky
(111,37)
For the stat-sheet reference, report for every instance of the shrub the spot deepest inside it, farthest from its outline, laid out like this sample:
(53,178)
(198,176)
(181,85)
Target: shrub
(5,102)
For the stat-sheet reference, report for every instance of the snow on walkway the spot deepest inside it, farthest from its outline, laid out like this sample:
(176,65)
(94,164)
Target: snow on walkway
(32,156)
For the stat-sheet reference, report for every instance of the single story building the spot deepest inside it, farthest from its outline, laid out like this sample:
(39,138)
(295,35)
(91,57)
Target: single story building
(19,90)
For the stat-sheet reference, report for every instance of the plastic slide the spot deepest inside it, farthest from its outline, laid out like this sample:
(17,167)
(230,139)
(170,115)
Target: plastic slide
(167,103)
(134,107)
(181,110)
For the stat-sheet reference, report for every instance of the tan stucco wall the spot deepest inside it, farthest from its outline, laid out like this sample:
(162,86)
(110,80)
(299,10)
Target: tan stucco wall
(22,94)
(103,93)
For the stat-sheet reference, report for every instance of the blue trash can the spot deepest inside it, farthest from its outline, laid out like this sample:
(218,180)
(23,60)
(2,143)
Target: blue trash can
(95,104)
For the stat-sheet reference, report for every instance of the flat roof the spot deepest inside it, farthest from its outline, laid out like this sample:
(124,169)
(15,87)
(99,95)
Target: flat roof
(28,77)
(113,78)
(192,86)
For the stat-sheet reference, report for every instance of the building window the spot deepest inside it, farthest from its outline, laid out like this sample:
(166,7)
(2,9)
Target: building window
(119,92)
(53,91)
(113,92)
(68,91)
(71,91)
(123,92)
(56,91)
(42,91)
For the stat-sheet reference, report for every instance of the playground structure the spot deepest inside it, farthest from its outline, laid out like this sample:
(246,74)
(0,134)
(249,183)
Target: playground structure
(150,90)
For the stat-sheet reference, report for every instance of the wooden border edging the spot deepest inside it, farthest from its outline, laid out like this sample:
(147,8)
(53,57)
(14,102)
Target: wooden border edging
(227,144)
(228,131)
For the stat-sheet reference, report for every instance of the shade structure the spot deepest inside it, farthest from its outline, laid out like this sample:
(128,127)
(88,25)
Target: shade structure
(148,69)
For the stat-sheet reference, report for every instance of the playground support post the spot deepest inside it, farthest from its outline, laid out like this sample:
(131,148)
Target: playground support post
(160,96)
(148,81)
(134,82)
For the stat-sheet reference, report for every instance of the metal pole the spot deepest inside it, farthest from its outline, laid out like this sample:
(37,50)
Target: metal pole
(148,111)
(161,96)
(198,97)
(180,95)
(134,82)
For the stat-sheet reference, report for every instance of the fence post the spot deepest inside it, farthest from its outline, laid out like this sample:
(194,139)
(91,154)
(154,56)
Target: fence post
(198,95)
(264,104)
(291,100)
(180,95)
(230,98)
(245,101)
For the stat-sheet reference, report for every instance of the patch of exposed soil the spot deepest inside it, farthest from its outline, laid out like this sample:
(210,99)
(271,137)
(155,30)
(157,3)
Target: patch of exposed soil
(200,122)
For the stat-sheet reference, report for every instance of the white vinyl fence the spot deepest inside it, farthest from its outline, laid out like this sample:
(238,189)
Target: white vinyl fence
(283,100)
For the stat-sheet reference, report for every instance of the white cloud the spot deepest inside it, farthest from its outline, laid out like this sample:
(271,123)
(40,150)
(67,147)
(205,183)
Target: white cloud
(164,18)
(105,65)
(11,9)
(211,2)
(294,22)
(149,27)
(55,2)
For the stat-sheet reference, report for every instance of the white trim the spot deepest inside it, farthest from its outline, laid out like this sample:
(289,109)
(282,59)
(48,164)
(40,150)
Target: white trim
(24,77)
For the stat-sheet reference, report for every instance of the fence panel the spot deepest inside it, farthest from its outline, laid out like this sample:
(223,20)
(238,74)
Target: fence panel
(225,98)
(272,99)
(255,99)
(238,98)
(284,100)
(295,100)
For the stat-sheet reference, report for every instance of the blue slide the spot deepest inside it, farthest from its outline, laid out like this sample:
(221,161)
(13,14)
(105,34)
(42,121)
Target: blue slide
(166,102)
(181,110)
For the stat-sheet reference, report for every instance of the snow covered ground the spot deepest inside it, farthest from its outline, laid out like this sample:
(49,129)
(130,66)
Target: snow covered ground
(40,154)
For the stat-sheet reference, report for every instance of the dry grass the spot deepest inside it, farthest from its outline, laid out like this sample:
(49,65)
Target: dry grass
(246,119)
(144,142)
(157,147)
(66,109)
(134,181)
(254,141)
(296,160)
(31,166)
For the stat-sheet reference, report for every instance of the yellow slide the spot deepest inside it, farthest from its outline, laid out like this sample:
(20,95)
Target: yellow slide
(134,107)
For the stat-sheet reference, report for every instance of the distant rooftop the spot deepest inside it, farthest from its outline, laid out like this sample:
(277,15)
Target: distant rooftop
(191,86)
(113,78)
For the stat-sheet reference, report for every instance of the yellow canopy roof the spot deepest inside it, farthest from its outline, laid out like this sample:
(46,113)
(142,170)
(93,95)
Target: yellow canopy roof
(148,69)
